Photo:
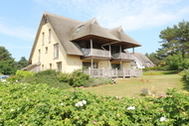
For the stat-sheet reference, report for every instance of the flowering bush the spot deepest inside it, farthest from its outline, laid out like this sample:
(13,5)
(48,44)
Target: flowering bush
(35,105)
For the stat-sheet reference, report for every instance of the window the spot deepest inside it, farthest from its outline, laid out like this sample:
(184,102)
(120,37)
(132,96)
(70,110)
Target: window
(39,55)
(50,66)
(88,64)
(46,50)
(43,37)
(116,66)
(56,51)
(59,66)
(79,28)
(42,67)
(49,35)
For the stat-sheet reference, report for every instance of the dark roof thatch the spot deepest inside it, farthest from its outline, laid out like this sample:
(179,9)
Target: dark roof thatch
(125,40)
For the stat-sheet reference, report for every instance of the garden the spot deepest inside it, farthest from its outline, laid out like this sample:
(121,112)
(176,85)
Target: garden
(38,103)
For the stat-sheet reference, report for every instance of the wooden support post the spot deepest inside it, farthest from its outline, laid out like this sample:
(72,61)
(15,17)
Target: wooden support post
(91,46)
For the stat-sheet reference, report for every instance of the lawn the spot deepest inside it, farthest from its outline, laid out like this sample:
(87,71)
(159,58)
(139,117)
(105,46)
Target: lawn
(156,82)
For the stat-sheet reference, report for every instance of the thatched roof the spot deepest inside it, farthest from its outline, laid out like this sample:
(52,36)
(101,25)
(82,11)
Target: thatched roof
(91,29)
(145,61)
(69,31)
(62,27)
(125,39)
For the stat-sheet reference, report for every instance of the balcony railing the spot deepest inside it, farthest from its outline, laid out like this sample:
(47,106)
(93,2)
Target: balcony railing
(101,72)
(96,53)
(123,55)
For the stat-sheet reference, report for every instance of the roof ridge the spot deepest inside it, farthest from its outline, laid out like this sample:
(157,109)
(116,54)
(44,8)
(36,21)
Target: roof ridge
(59,16)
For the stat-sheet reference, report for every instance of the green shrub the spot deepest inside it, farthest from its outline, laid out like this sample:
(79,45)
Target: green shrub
(78,78)
(64,77)
(38,105)
(14,78)
(50,77)
(24,74)
(185,75)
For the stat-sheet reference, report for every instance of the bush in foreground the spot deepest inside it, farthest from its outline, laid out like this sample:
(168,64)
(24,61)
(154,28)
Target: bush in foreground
(58,79)
(37,105)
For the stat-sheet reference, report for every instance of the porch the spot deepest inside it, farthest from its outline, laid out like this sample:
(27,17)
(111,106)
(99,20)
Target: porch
(123,56)
(96,53)
(113,73)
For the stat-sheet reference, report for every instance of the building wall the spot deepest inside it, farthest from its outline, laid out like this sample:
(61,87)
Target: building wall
(104,64)
(126,65)
(66,63)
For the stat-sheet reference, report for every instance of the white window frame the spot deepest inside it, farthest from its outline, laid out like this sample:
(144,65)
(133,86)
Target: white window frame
(50,34)
(56,51)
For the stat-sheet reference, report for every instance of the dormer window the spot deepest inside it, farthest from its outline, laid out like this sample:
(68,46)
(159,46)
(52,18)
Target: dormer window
(79,28)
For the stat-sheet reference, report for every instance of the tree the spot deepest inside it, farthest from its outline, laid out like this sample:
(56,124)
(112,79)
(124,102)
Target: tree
(7,64)
(174,40)
(22,63)
(153,57)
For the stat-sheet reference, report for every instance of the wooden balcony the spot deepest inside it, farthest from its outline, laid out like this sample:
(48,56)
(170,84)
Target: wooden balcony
(95,53)
(113,73)
(122,56)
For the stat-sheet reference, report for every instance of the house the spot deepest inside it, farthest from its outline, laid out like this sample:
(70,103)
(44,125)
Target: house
(142,61)
(66,44)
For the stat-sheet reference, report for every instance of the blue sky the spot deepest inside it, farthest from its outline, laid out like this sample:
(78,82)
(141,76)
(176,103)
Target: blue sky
(141,19)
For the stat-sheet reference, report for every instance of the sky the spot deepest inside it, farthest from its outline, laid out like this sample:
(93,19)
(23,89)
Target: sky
(143,20)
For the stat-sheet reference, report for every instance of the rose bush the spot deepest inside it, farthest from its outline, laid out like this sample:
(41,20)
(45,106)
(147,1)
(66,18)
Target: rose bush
(35,105)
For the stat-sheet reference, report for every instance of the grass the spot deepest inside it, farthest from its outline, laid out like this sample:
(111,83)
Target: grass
(156,82)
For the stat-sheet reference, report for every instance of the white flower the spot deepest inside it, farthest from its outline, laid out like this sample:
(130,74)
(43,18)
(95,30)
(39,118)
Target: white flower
(0,110)
(61,103)
(77,105)
(131,108)
(80,103)
(162,119)
(84,102)
(12,110)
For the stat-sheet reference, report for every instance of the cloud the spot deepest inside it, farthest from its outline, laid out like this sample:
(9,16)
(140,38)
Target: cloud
(21,32)
(131,14)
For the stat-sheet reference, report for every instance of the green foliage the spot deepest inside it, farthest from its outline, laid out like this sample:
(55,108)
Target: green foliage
(185,75)
(24,74)
(26,104)
(13,79)
(20,75)
(78,78)
(175,40)
(175,46)
(7,64)
(49,77)
(153,57)
(175,62)
(99,81)
(64,77)
(22,63)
